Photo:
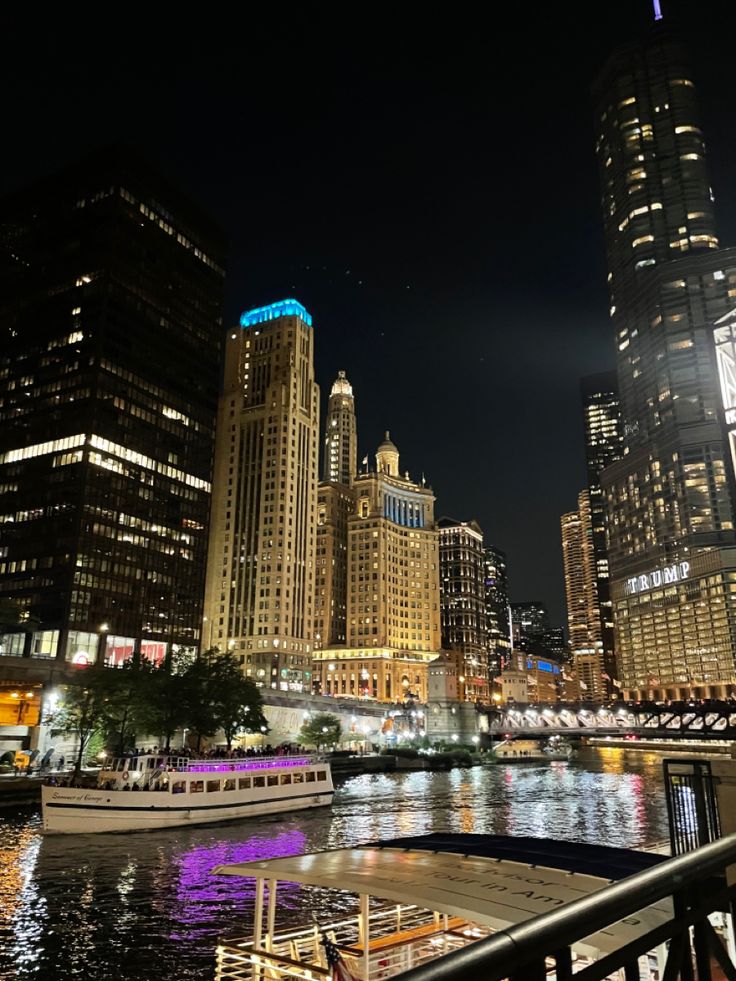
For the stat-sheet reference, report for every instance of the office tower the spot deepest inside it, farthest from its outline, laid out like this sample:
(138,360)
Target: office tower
(554,641)
(604,437)
(497,607)
(335,502)
(260,571)
(581,593)
(341,440)
(393,617)
(530,623)
(110,311)
(669,508)
(462,603)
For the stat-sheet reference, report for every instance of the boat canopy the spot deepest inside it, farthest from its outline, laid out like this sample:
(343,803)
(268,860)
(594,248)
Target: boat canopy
(496,892)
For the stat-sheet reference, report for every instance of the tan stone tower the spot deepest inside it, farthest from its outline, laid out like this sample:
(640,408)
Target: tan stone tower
(393,617)
(260,575)
(335,502)
(341,438)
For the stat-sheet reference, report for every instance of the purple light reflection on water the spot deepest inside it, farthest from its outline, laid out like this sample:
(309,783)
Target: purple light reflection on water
(200,895)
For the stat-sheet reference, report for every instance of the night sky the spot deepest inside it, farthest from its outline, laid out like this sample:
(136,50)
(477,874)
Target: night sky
(426,186)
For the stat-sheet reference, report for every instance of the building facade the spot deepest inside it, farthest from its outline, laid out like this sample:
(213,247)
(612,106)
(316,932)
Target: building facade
(259,600)
(530,623)
(581,594)
(668,500)
(462,603)
(604,440)
(496,584)
(335,503)
(111,321)
(393,599)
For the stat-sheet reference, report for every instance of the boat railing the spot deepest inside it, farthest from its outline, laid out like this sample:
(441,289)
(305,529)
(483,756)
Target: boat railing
(401,937)
(250,763)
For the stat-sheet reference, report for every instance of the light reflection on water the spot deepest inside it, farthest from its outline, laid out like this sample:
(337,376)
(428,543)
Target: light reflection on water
(137,906)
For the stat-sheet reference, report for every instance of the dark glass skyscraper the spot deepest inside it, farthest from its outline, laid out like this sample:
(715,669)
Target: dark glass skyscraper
(670,521)
(111,321)
(496,583)
(604,438)
(462,602)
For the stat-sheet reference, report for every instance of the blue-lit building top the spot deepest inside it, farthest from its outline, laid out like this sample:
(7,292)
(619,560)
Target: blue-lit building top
(404,509)
(282,308)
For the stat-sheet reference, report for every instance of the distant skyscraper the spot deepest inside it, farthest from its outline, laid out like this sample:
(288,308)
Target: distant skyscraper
(335,503)
(581,591)
(393,614)
(604,438)
(670,522)
(497,607)
(261,566)
(111,290)
(530,622)
(339,465)
(462,602)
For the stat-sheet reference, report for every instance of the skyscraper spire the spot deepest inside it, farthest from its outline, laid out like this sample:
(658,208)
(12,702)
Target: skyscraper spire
(341,442)
(657,10)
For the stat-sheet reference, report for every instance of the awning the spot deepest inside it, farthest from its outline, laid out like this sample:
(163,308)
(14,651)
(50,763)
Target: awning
(496,893)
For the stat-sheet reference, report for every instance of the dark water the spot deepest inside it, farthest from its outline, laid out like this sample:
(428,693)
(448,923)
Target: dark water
(137,907)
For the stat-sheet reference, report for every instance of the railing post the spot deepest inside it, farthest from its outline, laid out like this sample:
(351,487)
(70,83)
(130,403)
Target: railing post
(563,964)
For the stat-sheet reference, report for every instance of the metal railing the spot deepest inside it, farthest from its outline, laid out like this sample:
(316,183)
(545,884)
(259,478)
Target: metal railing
(692,804)
(528,951)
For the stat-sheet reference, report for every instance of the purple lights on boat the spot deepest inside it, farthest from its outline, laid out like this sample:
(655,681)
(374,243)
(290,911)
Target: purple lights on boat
(228,766)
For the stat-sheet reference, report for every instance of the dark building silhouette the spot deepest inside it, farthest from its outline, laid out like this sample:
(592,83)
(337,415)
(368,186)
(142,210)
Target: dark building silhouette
(111,322)
(604,437)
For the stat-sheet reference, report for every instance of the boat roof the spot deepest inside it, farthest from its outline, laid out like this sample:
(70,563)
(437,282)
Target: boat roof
(490,880)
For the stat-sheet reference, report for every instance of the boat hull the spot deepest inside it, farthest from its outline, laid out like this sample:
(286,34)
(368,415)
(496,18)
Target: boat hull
(76,810)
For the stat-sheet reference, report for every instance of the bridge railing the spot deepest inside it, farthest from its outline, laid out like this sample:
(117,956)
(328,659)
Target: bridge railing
(528,951)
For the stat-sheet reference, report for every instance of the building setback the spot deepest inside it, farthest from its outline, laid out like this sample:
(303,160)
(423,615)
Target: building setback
(111,317)
(260,574)
(462,603)
(668,500)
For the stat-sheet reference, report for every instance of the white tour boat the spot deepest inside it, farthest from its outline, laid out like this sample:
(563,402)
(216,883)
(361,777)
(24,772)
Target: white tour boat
(418,899)
(150,791)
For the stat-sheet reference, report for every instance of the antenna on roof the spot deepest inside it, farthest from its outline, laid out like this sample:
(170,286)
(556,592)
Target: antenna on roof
(657,9)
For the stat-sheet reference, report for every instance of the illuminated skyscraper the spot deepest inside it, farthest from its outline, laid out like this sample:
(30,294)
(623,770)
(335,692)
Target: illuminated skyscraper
(110,318)
(581,592)
(341,440)
(462,603)
(670,521)
(497,607)
(393,600)
(335,503)
(260,573)
(604,439)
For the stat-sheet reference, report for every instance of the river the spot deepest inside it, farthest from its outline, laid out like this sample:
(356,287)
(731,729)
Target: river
(137,907)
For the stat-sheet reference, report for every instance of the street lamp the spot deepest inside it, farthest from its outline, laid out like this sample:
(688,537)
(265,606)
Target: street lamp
(101,641)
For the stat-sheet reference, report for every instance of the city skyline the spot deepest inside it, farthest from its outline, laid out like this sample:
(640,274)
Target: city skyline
(461,211)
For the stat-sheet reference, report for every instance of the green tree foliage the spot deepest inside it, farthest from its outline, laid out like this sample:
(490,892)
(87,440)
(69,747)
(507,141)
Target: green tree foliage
(164,703)
(126,698)
(236,702)
(81,711)
(322,729)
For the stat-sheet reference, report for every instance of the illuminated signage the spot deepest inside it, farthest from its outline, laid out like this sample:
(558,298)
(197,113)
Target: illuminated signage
(659,577)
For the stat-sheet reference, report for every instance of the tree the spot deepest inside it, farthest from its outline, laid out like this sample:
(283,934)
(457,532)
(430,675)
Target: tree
(125,701)
(164,703)
(322,729)
(82,711)
(237,703)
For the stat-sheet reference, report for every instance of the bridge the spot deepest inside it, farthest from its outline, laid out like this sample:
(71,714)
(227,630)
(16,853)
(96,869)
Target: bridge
(683,720)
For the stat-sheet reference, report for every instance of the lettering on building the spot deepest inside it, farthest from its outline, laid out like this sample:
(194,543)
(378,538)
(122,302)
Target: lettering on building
(658,577)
